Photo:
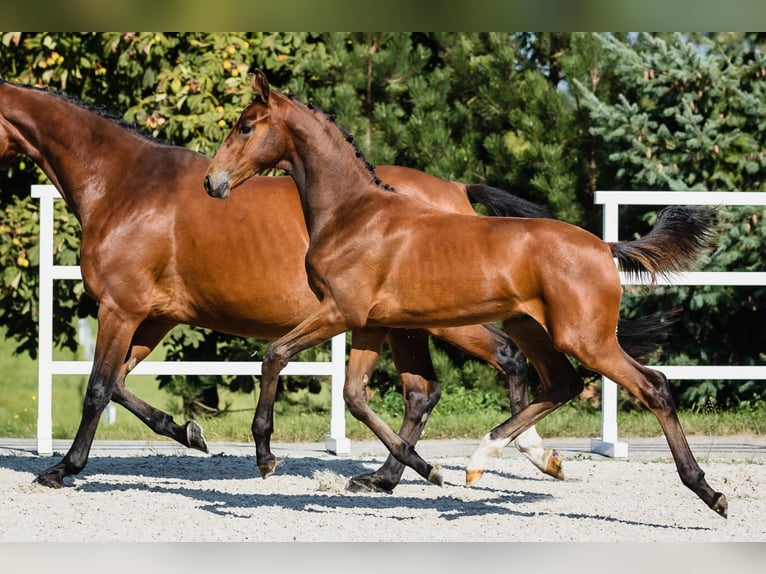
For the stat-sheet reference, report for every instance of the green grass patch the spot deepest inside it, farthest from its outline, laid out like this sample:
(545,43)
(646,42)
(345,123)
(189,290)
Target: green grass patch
(305,417)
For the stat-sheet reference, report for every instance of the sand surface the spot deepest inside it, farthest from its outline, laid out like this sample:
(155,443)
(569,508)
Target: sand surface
(150,496)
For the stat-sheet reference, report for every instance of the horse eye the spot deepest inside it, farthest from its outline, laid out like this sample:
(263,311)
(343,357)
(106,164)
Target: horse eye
(245,129)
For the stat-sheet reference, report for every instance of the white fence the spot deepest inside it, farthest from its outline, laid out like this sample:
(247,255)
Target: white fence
(608,444)
(335,441)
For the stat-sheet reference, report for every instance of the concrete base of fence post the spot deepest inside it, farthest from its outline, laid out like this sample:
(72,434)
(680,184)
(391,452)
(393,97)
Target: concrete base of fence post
(614,449)
(337,446)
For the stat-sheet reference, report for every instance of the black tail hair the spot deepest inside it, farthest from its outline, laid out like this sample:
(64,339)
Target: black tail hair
(504,204)
(642,337)
(679,236)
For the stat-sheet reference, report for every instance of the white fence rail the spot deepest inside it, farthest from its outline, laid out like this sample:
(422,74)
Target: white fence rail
(609,444)
(335,440)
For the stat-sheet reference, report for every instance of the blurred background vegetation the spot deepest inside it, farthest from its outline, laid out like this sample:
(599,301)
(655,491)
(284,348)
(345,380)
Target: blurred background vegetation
(551,117)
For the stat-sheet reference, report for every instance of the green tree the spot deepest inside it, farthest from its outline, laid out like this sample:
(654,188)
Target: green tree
(684,115)
(551,117)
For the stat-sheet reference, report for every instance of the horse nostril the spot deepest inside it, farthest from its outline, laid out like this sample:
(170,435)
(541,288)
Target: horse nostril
(208,187)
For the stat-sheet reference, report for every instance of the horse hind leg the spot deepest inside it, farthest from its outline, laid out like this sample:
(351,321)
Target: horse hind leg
(112,343)
(420,392)
(493,346)
(559,383)
(652,389)
(529,443)
(146,338)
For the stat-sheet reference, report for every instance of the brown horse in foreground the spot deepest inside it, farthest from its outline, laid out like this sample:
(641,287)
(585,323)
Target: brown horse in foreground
(380,259)
(153,256)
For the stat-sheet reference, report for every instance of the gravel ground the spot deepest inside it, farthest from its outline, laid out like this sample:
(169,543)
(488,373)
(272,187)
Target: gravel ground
(163,495)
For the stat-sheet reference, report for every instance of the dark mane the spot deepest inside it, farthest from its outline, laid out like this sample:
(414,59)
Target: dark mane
(98,110)
(349,138)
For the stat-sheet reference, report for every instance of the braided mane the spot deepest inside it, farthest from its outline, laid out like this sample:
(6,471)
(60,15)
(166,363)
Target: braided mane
(349,139)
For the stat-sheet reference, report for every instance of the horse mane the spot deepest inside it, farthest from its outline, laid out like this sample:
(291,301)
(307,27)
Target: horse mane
(346,136)
(95,109)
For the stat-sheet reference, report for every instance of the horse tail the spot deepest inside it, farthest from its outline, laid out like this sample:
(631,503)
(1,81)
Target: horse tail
(680,235)
(504,204)
(642,337)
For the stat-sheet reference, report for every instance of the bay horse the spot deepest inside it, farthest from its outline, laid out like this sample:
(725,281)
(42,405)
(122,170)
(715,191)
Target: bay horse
(380,259)
(153,256)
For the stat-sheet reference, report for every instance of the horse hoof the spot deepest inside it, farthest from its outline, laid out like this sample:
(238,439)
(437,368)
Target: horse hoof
(471,476)
(435,476)
(553,466)
(195,437)
(366,483)
(51,481)
(267,468)
(720,505)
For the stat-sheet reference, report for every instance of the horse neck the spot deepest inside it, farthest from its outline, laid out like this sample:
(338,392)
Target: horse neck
(71,145)
(328,170)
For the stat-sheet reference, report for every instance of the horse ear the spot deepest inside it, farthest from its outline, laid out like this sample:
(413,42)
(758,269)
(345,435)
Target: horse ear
(260,84)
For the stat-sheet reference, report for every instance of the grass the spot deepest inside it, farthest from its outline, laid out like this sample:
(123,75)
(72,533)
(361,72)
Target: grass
(18,414)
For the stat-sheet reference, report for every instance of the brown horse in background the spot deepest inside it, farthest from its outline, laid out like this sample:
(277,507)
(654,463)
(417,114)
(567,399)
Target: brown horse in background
(379,259)
(154,256)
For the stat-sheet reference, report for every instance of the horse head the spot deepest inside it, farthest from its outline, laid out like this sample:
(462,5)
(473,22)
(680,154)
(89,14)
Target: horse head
(252,145)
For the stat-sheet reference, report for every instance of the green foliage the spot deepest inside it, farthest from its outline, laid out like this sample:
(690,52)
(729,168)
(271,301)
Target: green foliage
(674,115)
(549,116)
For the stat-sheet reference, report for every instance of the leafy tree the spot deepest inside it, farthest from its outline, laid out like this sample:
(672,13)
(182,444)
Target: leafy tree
(689,116)
(549,116)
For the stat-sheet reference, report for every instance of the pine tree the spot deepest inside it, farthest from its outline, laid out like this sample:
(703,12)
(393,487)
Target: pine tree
(681,115)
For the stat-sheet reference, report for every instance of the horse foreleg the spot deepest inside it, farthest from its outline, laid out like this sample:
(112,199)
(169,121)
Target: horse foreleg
(495,347)
(559,383)
(147,336)
(365,349)
(421,393)
(319,327)
(112,343)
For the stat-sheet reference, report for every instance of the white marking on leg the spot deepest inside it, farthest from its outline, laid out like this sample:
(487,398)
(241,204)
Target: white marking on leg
(487,447)
(530,445)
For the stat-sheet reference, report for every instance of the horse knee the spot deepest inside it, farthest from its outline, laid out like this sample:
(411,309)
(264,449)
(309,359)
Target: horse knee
(273,362)
(97,397)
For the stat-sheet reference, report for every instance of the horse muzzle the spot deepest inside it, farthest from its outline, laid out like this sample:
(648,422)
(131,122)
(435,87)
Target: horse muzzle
(217,186)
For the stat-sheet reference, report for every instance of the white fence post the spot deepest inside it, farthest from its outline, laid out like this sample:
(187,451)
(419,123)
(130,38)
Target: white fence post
(335,442)
(608,445)
(45,318)
(611,200)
